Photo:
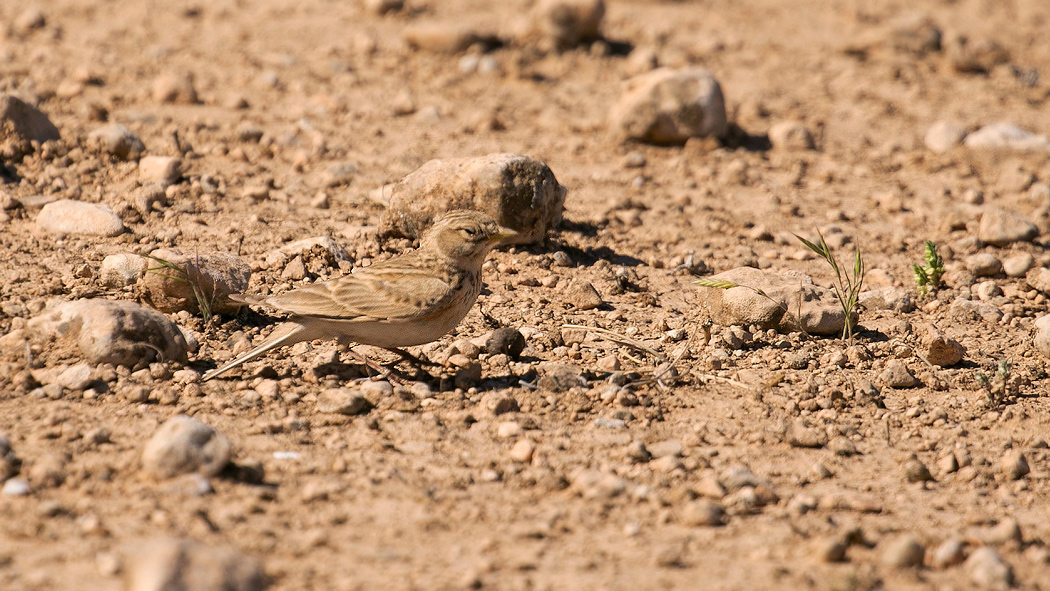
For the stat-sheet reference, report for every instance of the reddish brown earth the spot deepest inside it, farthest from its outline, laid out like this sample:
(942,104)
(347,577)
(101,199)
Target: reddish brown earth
(428,494)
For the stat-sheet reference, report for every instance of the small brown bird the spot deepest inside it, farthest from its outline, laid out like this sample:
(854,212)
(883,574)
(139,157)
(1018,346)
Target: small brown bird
(408,300)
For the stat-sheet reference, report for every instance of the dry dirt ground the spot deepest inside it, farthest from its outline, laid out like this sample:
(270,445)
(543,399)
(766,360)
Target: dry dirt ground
(427,494)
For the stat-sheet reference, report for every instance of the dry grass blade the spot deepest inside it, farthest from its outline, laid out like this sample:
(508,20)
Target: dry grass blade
(621,339)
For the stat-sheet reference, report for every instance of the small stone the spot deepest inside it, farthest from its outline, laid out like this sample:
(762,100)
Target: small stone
(343,401)
(790,135)
(121,270)
(581,295)
(48,471)
(942,350)
(506,341)
(668,106)
(702,513)
(798,434)
(76,378)
(830,549)
(184,445)
(118,140)
(24,124)
(498,404)
(594,484)
(508,429)
(984,264)
(842,446)
(665,464)
(172,88)
(29,19)
(15,487)
(1007,136)
(986,290)
(904,552)
(633,159)
(1018,265)
(1014,464)
(160,169)
(668,448)
(168,564)
(1000,227)
(949,553)
(565,24)
(1005,532)
(988,571)
(1039,279)
(441,37)
(559,377)
(916,471)
(943,136)
(948,464)
(609,363)
(522,451)
(381,7)
(1041,341)
(897,375)
(66,216)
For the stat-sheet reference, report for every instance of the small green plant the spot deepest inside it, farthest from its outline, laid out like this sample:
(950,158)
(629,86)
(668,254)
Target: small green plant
(847,285)
(928,275)
(998,385)
(192,277)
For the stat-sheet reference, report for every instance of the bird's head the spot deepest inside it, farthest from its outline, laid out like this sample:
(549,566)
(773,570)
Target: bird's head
(465,235)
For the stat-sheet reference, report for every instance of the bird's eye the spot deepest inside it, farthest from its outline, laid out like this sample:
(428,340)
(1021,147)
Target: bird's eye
(470,232)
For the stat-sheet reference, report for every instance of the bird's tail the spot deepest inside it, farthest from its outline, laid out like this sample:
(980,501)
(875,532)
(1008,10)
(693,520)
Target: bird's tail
(288,333)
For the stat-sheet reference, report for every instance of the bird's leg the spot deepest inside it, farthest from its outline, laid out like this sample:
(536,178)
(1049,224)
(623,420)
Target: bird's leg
(406,356)
(385,373)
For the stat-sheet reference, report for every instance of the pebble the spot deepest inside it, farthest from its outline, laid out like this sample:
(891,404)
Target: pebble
(701,513)
(943,136)
(942,350)
(904,552)
(1014,465)
(343,401)
(986,290)
(160,169)
(799,434)
(174,89)
(949,553)
(595,484)
(1000,227)
(381,7)
(1008,136)
(185,445)
(897,375)
(167,563)
(669,106)
(633,159)
(218,274)
(76,378)
(66,216)
(916,471)
(565,24)
(111,331)
(1018,265)
(842,446)
(984,264)
(1041,340)
(118,140)
(48,471)
(1039,279)
(790,136)
(441,38)
(832,549)
(505,341)
(522,451)
(15,487)
(582,295)
(499,403)
(121,270)
(518,191)
(988,571)
(508,429)
(1005,532)
(25,123)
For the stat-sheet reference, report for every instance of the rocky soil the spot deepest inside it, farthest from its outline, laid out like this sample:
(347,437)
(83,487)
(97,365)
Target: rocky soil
(599,420)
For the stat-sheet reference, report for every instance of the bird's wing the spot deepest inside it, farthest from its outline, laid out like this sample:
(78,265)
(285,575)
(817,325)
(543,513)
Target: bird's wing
(403,294)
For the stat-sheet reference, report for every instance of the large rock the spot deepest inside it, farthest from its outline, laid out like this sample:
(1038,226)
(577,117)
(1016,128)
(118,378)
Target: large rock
(20,125)
(170,280)
(185,445)
(67,216)
(107,331)
(564,24)
(669,106)
(167,564)
(744,305)
(518,191)
(1000,227)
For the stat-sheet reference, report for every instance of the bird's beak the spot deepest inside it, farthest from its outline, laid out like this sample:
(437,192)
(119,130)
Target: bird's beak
(502,235)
